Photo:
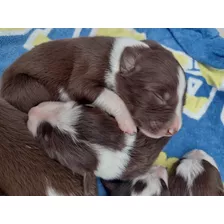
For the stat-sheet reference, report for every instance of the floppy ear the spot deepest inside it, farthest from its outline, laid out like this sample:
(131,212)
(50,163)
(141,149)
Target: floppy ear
(153,44)
(128,60)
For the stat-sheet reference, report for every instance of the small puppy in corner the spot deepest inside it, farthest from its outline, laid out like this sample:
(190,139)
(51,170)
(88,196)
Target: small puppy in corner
(139,83)
(25,169)
(153,183)
(196,174)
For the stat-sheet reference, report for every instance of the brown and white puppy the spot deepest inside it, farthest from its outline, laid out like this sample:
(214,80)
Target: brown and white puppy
(85,139)
(196,175)
(25,169)
(153,183)
(124,77)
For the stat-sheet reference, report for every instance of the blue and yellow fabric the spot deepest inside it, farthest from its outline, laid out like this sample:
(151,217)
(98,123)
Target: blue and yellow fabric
(199,51)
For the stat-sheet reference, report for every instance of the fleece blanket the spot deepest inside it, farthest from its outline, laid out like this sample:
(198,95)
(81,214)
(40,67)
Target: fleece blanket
(201,54)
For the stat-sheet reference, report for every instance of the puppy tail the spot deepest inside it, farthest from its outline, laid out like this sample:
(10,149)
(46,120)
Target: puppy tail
(23,92)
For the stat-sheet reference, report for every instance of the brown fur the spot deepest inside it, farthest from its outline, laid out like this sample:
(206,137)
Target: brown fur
(207,183)
(79,66)
(177,184)
(96,127)
(125,188)
(144,92)
(24,167)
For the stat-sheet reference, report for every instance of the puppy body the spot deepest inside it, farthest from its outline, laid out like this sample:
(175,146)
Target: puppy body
(153,183)
(124,77)
(24,167)
(85,139)
(196,175)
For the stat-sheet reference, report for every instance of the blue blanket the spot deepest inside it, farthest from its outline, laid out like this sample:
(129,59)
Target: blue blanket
(199,51)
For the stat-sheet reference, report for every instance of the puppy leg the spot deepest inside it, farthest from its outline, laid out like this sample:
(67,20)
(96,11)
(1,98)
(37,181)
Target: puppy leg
(105,99)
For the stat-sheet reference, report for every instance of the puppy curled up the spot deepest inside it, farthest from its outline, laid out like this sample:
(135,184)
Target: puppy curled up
(85,139)
(139,83)
(108,73)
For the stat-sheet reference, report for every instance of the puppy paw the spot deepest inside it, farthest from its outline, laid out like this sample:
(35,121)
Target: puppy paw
(126,124)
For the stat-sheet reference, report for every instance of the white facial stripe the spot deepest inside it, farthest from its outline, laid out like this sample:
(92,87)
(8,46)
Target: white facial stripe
(120,44)
(190,169)
(112,163)
(180,93)
(198,154)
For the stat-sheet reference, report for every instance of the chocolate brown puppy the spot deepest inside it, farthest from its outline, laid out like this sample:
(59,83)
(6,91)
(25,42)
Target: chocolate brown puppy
(122,76)
(196,175)
(25,169)
(85,139)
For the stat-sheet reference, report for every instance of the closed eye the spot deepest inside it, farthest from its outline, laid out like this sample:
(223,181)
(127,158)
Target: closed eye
(160,99)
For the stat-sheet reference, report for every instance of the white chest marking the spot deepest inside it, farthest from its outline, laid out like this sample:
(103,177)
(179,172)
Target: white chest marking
(112,163)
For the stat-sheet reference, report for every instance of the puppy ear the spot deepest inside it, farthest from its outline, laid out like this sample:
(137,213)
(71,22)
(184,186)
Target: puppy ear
(153,45)
(128,60)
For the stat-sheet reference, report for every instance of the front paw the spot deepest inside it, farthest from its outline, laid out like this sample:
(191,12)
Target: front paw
(126,124)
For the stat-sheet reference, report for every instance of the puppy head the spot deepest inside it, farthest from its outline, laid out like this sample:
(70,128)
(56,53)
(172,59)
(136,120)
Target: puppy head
(196,174)
(153,183)
(153,85)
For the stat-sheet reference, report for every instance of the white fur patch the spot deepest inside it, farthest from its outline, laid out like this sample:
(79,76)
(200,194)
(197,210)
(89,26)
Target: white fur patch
(111,103)
(52,192)
(112,162)
(191,167)
(61,115)
(152,180)
(201,155)
(114,105)
(119,45)
(180,92)
(63,96)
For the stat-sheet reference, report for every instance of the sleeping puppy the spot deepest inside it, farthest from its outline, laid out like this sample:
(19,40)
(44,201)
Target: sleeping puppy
(85,139)
(196,175)
(153,183)
(122,76)
(25,169)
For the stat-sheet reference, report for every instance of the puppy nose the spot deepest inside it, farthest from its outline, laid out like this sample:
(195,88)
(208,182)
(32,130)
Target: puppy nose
(175,127)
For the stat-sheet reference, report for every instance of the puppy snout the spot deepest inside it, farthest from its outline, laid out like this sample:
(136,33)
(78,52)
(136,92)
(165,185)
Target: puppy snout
(175,126)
